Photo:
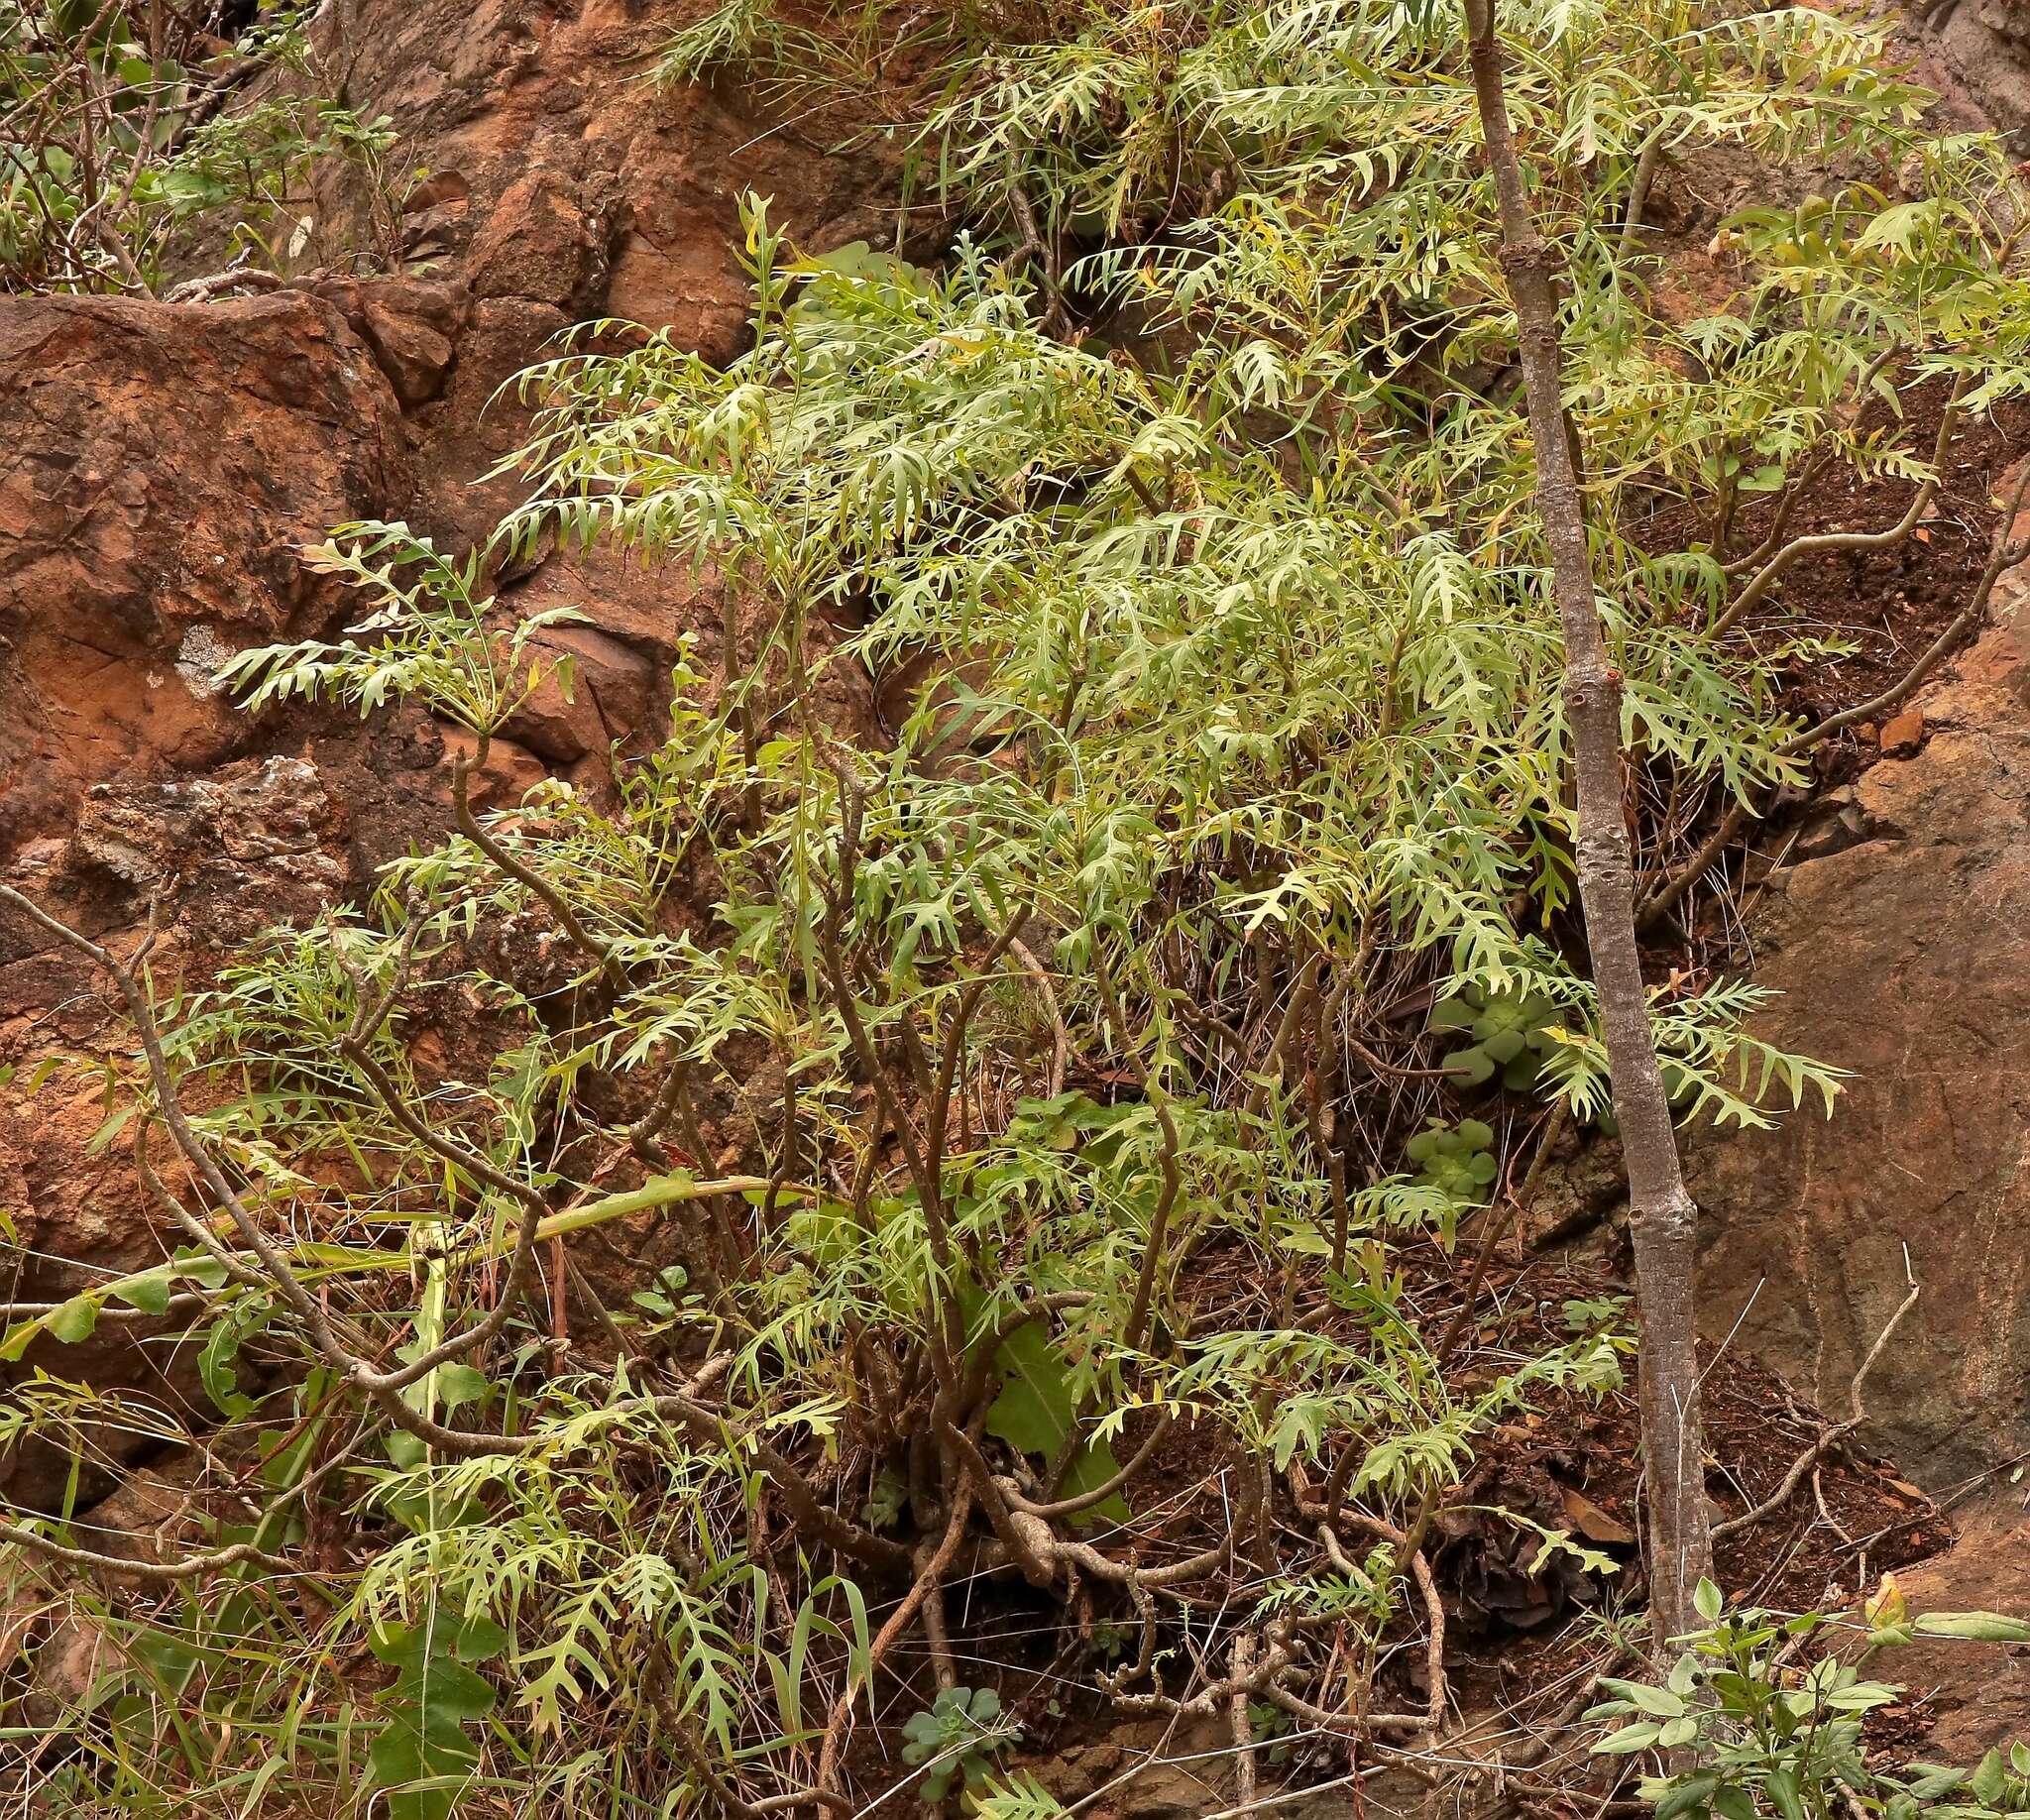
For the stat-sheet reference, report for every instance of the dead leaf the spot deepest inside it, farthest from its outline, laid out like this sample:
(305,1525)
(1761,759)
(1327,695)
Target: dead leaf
(1593,1523)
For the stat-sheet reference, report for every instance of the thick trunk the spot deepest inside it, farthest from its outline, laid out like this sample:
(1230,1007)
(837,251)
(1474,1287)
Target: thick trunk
(1662,1215)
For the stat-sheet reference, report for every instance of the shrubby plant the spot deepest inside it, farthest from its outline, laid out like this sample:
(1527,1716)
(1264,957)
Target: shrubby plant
(1770,1718)
(117,136)
(981,1110)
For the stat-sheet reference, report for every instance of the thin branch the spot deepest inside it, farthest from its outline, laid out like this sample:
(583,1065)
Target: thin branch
(2002,556)
(1512,1206)
(931,1568)
(1060,1042)
(186,1567)
(1099,1494)
(1829,543)
(1808,1460)
(1172,1177)
(599,953)
(1640,183)
(189,1567)
(1662,1218)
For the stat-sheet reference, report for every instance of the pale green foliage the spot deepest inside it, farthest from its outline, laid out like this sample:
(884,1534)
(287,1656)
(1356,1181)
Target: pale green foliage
(1314,696)
(428,638)
(1712,1064)
(1065,1036)
(1019,1797)
(593,1582)
(1774,1707)
(1509,1031)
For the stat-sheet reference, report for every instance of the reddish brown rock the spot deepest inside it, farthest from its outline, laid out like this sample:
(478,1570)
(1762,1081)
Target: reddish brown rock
(558,175)
(1903,734)
(510,773)
(466,432)
(1986,45)
(548,240)
(412,326)
(251,839)
(1981,1691)
(159,467)
(595,694)
(1901,956)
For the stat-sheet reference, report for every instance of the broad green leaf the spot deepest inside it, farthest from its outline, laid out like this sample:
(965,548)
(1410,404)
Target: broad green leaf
(1974,1627)
(148,1291)
(75,1320)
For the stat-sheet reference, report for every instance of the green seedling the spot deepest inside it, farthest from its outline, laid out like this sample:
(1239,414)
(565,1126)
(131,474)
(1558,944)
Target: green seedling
(1510,1032)
(1457,1159)
(957,1737)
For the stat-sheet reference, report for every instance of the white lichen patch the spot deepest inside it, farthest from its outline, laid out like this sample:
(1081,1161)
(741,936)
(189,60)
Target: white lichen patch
(200,658)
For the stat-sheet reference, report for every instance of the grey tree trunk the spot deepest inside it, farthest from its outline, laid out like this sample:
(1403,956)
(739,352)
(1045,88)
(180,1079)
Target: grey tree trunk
(1663,1219)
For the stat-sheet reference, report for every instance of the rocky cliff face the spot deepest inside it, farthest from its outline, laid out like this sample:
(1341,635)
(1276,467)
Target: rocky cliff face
(164,465)
(1986,43)
(161,466)
(1897,944)
(556,176)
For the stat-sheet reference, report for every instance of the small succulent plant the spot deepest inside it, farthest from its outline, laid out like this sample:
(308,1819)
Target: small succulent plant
(1458,1159)
(1510,1034)
(957,1733)
(1271,1725)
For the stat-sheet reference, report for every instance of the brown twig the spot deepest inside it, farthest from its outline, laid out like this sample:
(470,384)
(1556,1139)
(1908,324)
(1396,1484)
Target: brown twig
(1829,542)
(2002,555)
(1498,1228)
(1060,1042)
(1172,1177)
(600,952)
(931,1566)
(1829,1437)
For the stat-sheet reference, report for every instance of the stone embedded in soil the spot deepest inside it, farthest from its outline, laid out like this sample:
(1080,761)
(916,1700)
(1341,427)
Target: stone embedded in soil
(1903,734)
(253,834)
(545,239)
(593,693)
